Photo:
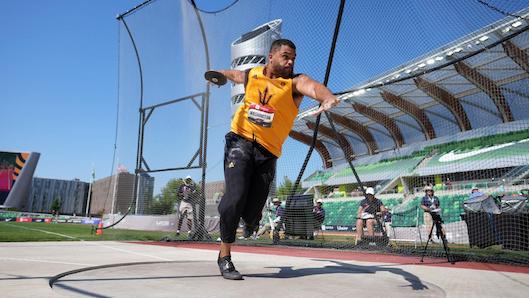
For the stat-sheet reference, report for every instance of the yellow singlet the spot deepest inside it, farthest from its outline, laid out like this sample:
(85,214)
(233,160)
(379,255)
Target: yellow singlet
(268,111)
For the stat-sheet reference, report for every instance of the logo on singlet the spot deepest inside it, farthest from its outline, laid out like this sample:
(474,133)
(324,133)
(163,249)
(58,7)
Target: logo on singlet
(264,97)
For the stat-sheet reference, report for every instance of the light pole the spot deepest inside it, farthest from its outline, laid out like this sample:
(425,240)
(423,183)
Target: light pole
(90,192)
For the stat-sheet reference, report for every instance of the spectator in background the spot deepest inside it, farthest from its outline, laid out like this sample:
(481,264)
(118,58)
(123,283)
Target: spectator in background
(319,216)
(475,192)
(448,183)
(429,203)
(369,209)
(502,186)
(335,192)
(186,193)
(275,223)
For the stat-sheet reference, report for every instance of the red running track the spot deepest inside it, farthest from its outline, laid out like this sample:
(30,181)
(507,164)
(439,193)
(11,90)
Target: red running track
(317,253)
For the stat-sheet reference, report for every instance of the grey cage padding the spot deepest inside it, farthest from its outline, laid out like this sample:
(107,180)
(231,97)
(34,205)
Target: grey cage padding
(481,204)
(514,204)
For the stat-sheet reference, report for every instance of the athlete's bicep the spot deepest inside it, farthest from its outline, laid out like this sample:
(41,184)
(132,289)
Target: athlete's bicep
(305,86)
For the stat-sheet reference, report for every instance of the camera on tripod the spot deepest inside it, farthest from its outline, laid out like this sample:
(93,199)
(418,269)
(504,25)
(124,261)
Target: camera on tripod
(437,221)
(436,217)
(439,232)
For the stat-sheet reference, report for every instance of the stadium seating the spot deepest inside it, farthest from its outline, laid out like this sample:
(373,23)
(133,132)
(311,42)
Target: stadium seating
(451,206)
(341,213)
(480,142)
(411,164)
(382,170)
(425,162)
(319,176)
(4,215)
(403,214)
(406,214)
(344,213)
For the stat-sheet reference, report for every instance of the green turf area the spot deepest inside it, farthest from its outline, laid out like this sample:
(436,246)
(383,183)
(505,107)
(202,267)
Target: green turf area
(20,232)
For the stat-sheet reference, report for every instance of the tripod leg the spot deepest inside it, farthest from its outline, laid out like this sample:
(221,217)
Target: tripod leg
(427,241)
(445,246)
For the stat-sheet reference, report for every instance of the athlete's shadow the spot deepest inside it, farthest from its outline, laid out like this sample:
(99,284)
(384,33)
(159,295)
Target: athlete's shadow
(341,267)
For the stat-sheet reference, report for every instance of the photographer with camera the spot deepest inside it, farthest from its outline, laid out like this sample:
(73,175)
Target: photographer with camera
(187,193)
(319,216)
(432,217)
(430,204)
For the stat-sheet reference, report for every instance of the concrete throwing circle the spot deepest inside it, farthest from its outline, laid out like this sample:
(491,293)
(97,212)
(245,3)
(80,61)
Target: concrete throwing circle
(202,279)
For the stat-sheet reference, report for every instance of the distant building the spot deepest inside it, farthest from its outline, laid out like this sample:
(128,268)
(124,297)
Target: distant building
(120,190)
(250,50)
(16,173)
(214,191)
(146,192)
(72,195)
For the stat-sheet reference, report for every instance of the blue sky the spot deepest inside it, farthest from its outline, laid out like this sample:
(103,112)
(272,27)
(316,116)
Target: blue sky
(59,67)
(59,74)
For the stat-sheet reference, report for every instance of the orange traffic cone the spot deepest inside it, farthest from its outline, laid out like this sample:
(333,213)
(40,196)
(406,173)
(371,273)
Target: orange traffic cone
(99,230)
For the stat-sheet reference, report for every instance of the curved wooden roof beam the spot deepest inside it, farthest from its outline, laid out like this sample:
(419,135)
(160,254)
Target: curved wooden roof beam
(447,99)
(488,86)
(383,119)
(319,146)
(412,110)
(337,137)
(357,128)
(517,55)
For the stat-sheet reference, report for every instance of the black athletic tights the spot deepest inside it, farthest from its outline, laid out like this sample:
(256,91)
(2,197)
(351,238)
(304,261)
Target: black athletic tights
(248,171)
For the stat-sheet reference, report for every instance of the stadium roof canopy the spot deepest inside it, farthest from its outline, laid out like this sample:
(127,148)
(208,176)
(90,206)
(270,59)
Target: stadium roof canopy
(477,81)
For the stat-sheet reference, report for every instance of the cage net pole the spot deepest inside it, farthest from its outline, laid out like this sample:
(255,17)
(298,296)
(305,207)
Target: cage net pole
(325,82)
(137,171)
(202,234)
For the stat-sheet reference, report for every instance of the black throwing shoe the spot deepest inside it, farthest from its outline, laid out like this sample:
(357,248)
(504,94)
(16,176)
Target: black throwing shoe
(227,269)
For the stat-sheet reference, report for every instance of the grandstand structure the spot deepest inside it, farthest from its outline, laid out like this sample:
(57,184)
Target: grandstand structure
(455,118)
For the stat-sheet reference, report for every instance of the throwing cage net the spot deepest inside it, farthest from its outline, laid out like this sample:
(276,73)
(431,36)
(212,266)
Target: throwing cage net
(431,129)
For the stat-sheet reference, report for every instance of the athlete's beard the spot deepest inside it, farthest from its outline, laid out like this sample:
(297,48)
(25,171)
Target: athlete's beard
(282,71)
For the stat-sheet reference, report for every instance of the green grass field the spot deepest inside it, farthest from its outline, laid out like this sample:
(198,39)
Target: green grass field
(21,232)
